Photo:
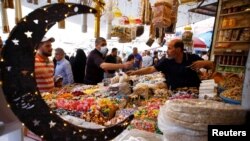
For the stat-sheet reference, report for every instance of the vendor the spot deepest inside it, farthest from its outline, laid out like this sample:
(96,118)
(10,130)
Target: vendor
(95,63)
(180,69)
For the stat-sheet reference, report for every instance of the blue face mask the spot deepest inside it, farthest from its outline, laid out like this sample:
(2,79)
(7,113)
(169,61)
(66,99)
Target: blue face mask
(104,50)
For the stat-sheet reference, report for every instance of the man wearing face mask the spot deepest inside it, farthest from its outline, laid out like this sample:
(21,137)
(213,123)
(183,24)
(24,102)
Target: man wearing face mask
(95,65)
(180,69)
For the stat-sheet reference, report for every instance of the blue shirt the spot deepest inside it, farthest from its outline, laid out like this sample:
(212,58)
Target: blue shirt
(138,60)
(63,68)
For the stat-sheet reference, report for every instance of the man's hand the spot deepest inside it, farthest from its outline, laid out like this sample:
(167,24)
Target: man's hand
(201,64)
(130,72)
(127,65)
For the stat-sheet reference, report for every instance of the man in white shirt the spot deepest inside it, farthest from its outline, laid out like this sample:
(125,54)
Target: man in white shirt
(147,60)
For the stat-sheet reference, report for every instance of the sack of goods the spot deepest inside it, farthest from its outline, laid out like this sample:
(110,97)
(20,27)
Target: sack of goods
(162,14)
(188,119)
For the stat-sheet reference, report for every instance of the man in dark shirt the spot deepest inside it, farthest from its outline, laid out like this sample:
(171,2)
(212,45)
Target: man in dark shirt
(95,65)
(155,58)
(112,58)
(180,69)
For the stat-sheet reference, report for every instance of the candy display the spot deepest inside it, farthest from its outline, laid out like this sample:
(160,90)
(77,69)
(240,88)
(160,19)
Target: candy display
(141,96)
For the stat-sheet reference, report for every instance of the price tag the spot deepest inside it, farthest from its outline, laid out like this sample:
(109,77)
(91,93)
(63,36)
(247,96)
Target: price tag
(229,50)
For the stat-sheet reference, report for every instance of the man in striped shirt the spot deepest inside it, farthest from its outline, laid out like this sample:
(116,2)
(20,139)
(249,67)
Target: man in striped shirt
(44,68)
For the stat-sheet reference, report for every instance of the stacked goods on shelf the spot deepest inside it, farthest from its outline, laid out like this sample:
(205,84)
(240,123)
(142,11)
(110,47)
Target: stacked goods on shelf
(187,120)
(233,27)
(231,48)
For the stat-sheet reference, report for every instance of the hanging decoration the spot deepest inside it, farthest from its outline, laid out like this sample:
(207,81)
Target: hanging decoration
(124,27)
(5,22)
(145,12)
(18,10)
(61,24)
(187,38)
(164,20)
(19,85)
(8,3)
(99,6)
(162,14)
(174,12)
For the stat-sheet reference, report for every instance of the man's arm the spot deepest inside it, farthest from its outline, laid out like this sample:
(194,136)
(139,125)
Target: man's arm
(143,71)
(202,64)
(111,66)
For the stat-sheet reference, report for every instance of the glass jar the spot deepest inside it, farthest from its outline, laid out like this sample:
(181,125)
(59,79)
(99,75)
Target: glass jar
(245,35)
(232,22)
(225,23)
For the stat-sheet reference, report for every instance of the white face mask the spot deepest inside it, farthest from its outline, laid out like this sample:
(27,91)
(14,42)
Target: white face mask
(104,50)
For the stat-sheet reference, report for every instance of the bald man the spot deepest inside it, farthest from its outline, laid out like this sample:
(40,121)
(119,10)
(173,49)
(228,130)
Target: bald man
(180,69)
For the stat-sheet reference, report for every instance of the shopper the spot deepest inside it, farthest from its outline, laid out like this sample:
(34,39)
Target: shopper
(63,67)
(180,69)
(78,66)
(138,58)
(147,60)
(155,58)
(112,58)
(130,59)
(95,63)
(44,68)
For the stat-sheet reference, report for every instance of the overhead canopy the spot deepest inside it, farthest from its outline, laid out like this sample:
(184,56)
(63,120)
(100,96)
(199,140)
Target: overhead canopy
(198,43)
(208,9)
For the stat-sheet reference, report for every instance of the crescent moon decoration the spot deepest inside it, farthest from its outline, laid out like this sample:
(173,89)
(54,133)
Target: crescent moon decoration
(19,85)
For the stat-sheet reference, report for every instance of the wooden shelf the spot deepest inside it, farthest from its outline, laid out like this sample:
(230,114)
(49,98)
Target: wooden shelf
(234,27)
(229,72)
(236,13)
(231,66)
(233,41)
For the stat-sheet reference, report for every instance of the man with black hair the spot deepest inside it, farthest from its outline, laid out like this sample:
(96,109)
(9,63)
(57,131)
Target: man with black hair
(112,58)
(180,69)
(95,65)
(44,67)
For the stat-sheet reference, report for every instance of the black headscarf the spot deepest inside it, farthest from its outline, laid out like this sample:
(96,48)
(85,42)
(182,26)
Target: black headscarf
(78,66)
